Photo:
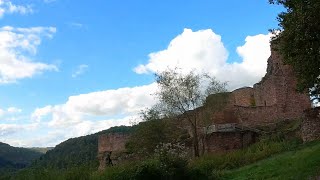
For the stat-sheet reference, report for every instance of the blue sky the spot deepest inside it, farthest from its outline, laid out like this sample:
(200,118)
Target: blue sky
(70,68)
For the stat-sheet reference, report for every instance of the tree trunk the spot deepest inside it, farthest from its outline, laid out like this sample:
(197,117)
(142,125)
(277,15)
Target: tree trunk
(195,139)
(196,146)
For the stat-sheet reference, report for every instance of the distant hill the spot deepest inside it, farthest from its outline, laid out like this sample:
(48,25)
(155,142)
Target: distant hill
(74,152)
(14,158)
(42,150)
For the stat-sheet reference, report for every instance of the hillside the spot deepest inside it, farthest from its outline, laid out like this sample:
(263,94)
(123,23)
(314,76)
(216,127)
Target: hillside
(301,163)
(42,150)
(14,158)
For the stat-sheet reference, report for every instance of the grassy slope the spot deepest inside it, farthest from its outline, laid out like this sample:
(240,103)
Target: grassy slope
(301,163)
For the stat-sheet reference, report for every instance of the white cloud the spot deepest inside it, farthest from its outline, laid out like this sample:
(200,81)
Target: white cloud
(15,45)
(110,103)
(38,113)
(201,50)
(82,68)
(89,113)
(204,51)
(10,111)
(14,110)
(12,134)
(7,7)
(2,112)
(12,114)
(6,129)
(9,129)
(80,115)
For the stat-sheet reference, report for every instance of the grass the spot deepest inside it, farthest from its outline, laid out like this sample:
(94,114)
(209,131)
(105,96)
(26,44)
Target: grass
(213,165)
(302,163)
(271,158)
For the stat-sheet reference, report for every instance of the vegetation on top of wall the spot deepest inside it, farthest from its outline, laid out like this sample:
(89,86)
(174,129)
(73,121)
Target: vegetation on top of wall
(252,102)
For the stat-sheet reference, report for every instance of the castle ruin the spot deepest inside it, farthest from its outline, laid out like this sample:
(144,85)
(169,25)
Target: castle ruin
(272,100)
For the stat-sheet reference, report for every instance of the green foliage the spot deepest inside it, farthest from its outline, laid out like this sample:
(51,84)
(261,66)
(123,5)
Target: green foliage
(14,158)
(172,158)
(74,173)
(180,93)
(212,165)
(166,164)
(149,134)
(42,150)
(17,155)
(299,41)
(252,102)
(152,132)
(71,153)
(75,152)
(298,162)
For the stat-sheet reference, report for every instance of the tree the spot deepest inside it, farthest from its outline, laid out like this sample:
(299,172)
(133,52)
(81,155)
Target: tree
(180,93)
(151,132)
(299,41)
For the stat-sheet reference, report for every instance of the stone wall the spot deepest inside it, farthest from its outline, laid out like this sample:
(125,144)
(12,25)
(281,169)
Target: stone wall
(310,128)
(243,97)
(227,141)
(271,100)
(256,116)
(112,144)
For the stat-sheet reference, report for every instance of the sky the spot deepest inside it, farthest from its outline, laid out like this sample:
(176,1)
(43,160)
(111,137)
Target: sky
(70,68)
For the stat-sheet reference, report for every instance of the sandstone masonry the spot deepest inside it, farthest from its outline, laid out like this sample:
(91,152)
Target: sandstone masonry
(110,144)
(271,100)
(310,128)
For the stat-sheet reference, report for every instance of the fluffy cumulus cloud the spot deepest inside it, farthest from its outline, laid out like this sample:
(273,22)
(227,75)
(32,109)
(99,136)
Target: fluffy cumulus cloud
(204,51)
(201,50)
(7,7)
(123,102)
(9,129)
(16,44)
(88,113)
(14,110)
(10,111)
(19,135)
